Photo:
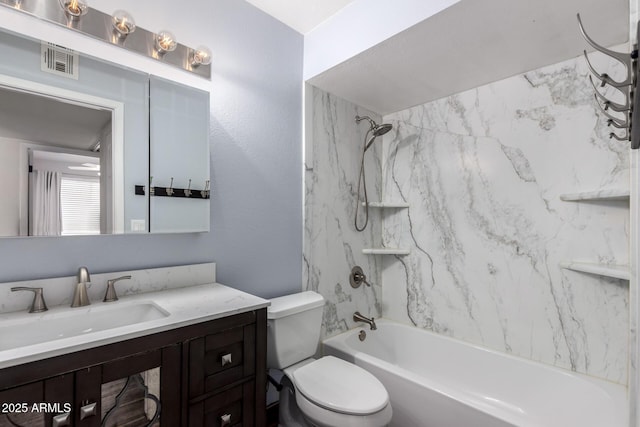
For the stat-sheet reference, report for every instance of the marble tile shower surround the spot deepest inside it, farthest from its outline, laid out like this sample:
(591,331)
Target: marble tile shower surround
(332,246)
(483,171)
(59,291)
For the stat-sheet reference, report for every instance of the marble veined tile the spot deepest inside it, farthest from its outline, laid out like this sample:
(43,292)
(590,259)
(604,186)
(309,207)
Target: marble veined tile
(332,246)
(483,172)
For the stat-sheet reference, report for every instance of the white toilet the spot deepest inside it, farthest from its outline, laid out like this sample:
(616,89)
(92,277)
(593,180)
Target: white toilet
(327,392)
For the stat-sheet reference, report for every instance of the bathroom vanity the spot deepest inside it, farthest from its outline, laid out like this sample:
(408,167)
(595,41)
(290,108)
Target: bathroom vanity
(203,357)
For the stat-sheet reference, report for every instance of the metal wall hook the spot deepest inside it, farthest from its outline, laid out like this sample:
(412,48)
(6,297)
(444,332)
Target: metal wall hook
(170,188)
(187,192)
(623,58)
(206,192)
(170,191)
(610,104)
(630,124)
(615,124)
(604,78)
(620,138)
(617,120)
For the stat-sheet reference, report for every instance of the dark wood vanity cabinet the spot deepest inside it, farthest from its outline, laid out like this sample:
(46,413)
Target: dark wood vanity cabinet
(227,374)
(207,374)
(17,402)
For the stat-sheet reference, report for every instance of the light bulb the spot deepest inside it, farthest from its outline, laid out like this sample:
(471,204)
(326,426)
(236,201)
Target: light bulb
(201,56)
(165,42)
(74,8)
(123,23)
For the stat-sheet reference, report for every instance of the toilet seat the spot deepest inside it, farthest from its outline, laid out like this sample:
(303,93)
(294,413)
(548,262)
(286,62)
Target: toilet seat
(339,386)
(322,417)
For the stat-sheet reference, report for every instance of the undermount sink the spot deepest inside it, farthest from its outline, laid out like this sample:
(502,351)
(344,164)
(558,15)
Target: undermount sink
(54,325)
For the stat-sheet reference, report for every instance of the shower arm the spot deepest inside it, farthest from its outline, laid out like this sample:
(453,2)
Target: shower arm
(372,125)
(369,119)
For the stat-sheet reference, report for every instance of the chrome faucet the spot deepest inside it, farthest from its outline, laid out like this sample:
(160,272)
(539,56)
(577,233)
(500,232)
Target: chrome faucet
(357,317)
(80,296)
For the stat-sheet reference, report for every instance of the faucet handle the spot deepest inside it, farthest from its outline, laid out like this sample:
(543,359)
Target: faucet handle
(38,305)
(111,295)
(357,277)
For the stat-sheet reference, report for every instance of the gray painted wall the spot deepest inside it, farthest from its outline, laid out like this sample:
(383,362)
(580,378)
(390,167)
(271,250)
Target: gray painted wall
(256,166)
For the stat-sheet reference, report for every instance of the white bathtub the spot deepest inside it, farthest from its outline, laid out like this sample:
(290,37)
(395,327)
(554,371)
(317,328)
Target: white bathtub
(435,381)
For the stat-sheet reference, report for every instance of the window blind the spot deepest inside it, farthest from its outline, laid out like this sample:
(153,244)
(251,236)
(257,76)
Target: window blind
(80,205)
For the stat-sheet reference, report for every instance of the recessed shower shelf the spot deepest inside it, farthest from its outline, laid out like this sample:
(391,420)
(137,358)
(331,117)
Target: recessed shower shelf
(608,194)
(385,251)
(387,205)
(608,270)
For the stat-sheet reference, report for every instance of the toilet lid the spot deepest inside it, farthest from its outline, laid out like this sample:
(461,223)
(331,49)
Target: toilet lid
(341,386)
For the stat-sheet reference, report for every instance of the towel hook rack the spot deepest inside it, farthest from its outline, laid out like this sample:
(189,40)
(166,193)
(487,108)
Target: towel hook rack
(623,58)
(626,88)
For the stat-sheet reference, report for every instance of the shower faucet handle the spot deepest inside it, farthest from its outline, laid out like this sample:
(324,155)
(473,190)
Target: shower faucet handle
(38,305)
(110,295)
(357,277)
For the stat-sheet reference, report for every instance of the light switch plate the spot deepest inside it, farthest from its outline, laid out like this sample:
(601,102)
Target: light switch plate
(138,225)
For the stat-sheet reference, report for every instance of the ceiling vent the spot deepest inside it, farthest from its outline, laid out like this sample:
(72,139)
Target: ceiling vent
(59,60)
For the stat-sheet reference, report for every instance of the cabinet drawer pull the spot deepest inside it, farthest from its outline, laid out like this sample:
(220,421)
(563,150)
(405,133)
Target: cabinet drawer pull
(226,359)
(88,410)
(225,420)
(62,420)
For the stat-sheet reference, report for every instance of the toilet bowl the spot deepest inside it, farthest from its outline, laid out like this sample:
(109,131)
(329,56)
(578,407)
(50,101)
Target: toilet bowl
(332,392)
(324,392)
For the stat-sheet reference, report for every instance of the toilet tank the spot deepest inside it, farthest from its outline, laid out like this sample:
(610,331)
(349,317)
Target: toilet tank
(293,328)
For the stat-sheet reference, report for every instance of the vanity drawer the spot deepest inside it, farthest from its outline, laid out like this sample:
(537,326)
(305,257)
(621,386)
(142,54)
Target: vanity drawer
(233,407)
(220,359)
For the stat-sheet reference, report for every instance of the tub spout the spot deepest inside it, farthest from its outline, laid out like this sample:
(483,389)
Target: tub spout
(357,317)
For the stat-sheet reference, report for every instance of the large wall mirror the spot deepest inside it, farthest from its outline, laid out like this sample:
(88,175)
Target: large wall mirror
(84,144)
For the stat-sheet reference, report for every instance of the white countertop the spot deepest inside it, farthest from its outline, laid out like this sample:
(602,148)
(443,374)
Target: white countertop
(186,306)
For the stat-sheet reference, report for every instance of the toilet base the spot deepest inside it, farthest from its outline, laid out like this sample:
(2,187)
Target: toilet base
(289,412)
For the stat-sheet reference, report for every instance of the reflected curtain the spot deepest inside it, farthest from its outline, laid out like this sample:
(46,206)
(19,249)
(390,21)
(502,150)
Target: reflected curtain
(47,217)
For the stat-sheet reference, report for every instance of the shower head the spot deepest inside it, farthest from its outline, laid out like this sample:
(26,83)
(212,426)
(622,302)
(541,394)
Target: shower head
(380,130)
(375,129)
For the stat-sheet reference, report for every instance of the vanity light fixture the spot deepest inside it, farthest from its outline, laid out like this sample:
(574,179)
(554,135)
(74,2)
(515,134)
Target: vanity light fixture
(123,23)
(117,28)
(200,56)
(74,8)
(165,42)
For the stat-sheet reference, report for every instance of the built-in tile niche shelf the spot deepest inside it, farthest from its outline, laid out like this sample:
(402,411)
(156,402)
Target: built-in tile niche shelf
(607,270)
(606,194)
(385,251)
(387,205)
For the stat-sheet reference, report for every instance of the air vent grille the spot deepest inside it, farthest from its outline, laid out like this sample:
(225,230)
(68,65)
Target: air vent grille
(59,60)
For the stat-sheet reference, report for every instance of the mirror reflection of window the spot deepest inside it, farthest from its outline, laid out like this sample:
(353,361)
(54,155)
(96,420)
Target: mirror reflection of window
(52,151)
(64,193)
(79,205)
